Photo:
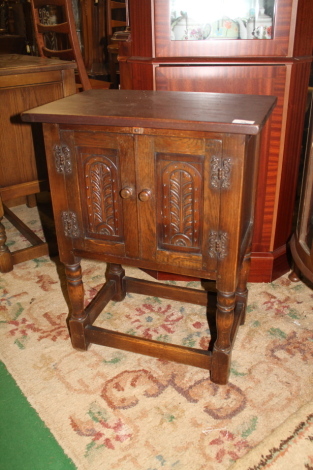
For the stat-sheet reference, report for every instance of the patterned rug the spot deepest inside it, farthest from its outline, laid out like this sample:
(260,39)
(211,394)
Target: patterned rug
(290,447)
(111,409)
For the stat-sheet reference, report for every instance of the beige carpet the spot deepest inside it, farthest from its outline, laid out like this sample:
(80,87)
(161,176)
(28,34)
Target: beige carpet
(111,409)
(289,447)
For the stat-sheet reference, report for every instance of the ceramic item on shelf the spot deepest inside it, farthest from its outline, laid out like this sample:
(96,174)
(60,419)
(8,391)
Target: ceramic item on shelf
(263,32)
(185,28)
(263,26)
(225,28)
(179,26)
(246,28)
(259,27)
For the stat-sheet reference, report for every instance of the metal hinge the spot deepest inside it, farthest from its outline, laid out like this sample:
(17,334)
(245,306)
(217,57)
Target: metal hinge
(62,159)
(220,172)
(218,244)
(70,225)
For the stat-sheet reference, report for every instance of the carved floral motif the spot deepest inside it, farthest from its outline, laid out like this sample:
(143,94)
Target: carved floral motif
(62,157)
(220,172)
(180,207)
(101,175)
(70,225)
(218,242)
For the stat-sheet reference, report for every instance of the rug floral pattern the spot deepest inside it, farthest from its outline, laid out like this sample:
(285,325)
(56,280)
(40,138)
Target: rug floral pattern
(111,409)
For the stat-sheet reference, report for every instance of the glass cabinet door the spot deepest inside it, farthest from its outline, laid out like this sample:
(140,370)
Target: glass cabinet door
(230,28)
(307,232)
(305,226)
(223,19)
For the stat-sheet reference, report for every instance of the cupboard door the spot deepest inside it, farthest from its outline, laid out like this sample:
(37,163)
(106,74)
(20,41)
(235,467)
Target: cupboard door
(101,192)
(178,207)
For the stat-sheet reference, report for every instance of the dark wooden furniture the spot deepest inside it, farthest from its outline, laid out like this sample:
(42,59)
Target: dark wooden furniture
(91,21)
(301,243)
(99,23)
(279,66)
(162,181)
(117,20)
(60,39)
(25,82)
(12,44)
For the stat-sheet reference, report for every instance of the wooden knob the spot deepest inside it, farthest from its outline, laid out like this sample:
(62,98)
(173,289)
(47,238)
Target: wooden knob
(126,192)
(145,195)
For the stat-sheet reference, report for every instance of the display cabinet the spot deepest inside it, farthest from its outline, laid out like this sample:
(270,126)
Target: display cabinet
(244,46)
(301,243)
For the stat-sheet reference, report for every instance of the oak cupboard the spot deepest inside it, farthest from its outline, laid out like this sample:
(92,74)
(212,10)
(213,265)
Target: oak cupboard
(25,82)
(161,181)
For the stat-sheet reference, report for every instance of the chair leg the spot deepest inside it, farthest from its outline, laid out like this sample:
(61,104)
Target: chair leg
(31,200)
(6,263)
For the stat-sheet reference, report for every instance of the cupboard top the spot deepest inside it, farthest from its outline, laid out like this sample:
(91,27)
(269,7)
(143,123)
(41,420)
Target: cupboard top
(214,112)
(17,64)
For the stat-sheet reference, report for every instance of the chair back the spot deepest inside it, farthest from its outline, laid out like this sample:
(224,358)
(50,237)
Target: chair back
(117,20)
(117,17)
(64,42)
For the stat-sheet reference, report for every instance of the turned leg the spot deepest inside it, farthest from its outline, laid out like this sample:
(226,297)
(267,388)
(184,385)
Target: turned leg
(221,358)
(6,263)
(242,291)
(78,317)
(116,273)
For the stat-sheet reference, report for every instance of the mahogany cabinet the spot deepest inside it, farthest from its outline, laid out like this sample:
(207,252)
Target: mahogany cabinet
(161,181)
(278,65)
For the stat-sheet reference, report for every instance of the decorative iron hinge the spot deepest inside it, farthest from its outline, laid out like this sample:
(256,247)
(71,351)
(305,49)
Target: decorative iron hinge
(220,172)
(218,244)
(62,158)
(70,225)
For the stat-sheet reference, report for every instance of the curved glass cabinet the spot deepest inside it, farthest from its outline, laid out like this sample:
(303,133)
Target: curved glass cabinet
(302,241)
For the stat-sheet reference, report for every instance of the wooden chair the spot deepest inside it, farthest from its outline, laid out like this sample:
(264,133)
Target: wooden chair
(65,44)
(117,19)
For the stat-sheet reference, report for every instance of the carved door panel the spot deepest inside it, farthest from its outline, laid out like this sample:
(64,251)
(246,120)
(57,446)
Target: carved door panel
(106,215)
(146,197)
(175,176)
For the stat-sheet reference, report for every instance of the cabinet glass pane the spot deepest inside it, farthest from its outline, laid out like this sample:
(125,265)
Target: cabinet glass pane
(306,225)
(305,220)
(193,20)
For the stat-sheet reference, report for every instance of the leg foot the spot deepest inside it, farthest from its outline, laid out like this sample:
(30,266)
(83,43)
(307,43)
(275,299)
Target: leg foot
(295,274)
(31,200)
(220,368)
(116,273)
